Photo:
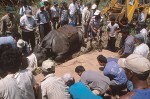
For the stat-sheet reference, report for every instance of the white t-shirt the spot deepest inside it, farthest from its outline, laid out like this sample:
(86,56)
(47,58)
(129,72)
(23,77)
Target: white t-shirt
(141,17)
(112,32)
(73,8)
(28,23)
(26,82)
(9,88)
(142,49)
(144,32)
(55,11)
(32,62)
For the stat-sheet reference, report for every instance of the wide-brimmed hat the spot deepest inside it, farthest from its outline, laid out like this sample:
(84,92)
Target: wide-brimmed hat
(28,13)
(136,63)
(97,12)
(48,64)
(21,43)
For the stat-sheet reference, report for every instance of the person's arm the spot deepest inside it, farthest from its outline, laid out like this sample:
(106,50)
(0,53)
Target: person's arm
(22,23)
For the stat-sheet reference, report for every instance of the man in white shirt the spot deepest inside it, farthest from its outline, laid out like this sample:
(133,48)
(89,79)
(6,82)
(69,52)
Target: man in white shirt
(143,31)
(86,16)
(52,87)
(25,80)
(81,7)
(55,11)
(141,16)
(73,8)
(28,24)
(10,62)
(112,28)
(141,48)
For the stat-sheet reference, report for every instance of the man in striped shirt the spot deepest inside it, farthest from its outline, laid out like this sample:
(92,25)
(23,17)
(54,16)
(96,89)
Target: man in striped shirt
(52,87)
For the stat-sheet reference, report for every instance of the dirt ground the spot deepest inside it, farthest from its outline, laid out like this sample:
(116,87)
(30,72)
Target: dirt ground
(88,60)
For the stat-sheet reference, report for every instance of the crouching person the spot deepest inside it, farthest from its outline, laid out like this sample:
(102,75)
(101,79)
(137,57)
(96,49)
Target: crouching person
(97,82)
(78,90)
(116,74)
(52,87)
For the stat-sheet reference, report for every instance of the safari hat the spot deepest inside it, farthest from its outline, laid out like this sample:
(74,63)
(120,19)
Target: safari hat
(97,12)
(28,13)
(41,4)
(48,64)
(21,43)
(67,77)
(136,63)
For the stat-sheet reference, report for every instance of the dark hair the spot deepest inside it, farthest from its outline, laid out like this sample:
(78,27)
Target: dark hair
(102,59)
(79,69)
(125,31)
(112,18)
(143,76)
(11,60)
(70,82)
(141,8)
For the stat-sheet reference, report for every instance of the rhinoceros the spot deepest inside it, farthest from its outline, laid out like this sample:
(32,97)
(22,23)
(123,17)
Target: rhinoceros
(58,44)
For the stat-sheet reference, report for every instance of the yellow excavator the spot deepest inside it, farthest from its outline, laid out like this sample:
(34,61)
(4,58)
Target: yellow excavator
(127,9)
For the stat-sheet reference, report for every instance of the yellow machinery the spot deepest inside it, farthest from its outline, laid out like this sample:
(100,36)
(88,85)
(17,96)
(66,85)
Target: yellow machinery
(127,9)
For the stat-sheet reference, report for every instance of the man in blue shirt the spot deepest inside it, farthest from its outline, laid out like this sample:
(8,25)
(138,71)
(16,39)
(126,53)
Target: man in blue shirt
(114,72)
(137,70)
(78,90)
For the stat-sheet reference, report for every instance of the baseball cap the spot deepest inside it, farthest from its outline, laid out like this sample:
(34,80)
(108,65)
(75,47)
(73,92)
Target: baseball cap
(94,6)
(21,43)
(136,63)
(28,13)
(97,12)
(41,4)
(55,3)
(67,77)
(48,64)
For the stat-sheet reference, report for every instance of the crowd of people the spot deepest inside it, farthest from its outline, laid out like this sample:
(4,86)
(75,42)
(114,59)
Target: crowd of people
(124,77)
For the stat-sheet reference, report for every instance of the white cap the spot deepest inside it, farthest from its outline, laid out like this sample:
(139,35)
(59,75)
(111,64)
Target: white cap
(67,77)
(94,6)
(21,43)
(136,63)
(97,12)
(48,64)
